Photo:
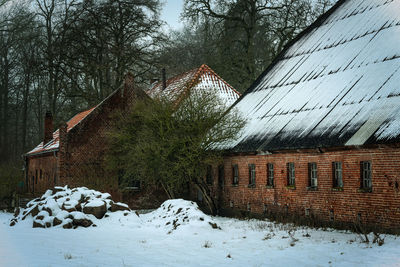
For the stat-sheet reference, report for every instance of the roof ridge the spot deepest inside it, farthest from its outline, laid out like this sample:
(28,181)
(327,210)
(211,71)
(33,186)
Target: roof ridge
(205,66)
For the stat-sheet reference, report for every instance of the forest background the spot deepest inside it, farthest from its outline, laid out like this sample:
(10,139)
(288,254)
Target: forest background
(65,56)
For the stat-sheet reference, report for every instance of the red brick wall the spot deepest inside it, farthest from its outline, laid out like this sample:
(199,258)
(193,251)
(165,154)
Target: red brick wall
(42,173)
(381,206)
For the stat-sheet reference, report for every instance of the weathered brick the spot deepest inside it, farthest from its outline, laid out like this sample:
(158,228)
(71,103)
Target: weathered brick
(379,207)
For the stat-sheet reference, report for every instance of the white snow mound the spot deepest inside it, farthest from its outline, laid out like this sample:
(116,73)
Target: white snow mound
(178,212)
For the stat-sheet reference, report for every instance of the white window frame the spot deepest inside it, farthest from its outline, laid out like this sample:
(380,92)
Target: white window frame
(313,174)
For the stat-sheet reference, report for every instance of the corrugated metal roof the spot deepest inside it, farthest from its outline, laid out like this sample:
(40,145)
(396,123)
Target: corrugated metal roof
(54,143)
(203,79)
(337,84)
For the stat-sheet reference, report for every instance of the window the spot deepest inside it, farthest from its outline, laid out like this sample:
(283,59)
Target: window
(221,176)
(337,174)
(252,174)
(235,174)
(209,176)
(312,175)
(307,212)
(270,174)
(366,175)
(290,174)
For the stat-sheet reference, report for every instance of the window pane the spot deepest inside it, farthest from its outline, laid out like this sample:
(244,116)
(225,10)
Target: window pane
(291,173)
(209,177)
(252,174)
(337,174)
(312,169)
(221,175)
(235,173)
(270,174)
(366,174)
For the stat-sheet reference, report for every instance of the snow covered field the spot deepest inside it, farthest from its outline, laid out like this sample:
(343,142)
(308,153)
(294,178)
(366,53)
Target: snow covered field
(178,234)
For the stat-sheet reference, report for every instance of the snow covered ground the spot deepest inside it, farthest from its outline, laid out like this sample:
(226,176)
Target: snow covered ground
(178,234)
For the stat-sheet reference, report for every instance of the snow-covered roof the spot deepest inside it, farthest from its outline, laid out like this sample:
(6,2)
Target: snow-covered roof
(202,79)
(336,84)
(54,143)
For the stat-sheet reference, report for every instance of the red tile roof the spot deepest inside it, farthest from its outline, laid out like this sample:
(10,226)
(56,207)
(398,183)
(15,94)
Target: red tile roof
(203,78)
(54,143)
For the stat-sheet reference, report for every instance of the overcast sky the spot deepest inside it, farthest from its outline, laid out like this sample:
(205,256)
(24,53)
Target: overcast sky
(171,12)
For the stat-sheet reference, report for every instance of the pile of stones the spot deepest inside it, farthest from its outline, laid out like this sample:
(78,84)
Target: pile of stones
(69,208)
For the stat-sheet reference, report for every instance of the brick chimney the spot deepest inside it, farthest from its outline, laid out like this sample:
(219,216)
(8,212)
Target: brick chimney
(164,79)
(48,127)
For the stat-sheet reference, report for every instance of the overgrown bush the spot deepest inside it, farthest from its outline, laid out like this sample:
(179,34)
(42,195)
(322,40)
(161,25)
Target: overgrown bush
(169,145)
(11,179)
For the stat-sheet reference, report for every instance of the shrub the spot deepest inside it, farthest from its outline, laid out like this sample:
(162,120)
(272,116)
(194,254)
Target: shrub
(160,143)
(11,179)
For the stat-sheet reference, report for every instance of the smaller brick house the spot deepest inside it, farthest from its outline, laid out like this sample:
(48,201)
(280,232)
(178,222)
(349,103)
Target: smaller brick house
(74,154)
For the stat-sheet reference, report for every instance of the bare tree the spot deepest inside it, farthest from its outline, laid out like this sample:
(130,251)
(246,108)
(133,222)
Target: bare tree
(252,32)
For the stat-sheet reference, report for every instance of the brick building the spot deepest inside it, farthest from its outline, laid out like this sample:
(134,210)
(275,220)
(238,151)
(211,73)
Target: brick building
(322,133)
(74,154)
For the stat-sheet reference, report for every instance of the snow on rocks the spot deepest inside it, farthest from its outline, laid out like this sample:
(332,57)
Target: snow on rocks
(68,208)
(82,207)
(178,212)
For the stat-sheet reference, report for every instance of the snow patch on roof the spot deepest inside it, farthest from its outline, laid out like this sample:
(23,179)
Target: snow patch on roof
(337,85)
(203,78)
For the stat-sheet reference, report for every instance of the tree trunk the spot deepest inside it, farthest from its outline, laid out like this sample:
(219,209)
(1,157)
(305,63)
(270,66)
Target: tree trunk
(5,111)
(202,186)
(25,110)
(169,192)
